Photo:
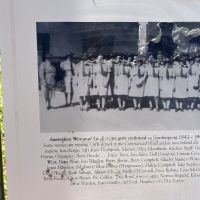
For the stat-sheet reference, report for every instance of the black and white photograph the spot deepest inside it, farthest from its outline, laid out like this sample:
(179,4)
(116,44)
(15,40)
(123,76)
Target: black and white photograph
(127,76)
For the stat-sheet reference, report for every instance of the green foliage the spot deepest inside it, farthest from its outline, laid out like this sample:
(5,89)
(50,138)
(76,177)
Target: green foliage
(2,137)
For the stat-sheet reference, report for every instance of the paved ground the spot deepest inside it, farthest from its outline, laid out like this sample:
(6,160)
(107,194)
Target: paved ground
(72,119)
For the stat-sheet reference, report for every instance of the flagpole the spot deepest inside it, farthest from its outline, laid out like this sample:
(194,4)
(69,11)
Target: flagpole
(142,41)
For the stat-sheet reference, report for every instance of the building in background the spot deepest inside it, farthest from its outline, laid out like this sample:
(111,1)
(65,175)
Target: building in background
(58,38)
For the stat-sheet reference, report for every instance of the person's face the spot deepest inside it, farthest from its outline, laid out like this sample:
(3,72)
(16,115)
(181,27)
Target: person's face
(47,60)
(99,59)
(123,60)
(181,63)
(129,59)
(183,58)
(191,62)
(118,58)
(153,64)
(197,59)
(139,64)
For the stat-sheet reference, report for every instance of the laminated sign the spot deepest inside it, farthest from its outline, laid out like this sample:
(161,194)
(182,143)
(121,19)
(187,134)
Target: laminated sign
(101,99)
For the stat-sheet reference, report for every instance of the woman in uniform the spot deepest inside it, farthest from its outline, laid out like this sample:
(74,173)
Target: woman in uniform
(136,83)
(110,63)
(167,75)
(67,67)
(76,65)
(100,78)
(151,90)
(116,64)
(122,81)
(133,83)
(181,87)
(83,83)
(193,81)
(47,73)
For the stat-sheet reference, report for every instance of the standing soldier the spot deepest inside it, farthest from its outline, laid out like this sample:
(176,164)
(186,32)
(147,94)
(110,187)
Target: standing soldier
(151,90)
(122,83)
(136,83)
(167,76)
(193,81)
(181,75)
(67,67)
(141,82)
(76,65)
(133,81)
(47,73)
(111,82)
(101,76)
(84,83)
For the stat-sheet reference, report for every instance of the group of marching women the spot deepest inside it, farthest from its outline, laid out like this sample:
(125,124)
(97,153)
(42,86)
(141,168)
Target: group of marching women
(160,80)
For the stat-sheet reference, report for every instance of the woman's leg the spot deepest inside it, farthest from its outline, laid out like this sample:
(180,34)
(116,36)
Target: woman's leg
(168,102)
(47,98)
(87,103)
(195,102)
(98,103)
(177,105)
(198,104)
(66,98)
(134,103)
(164,104)
(150,103)
(139,102)
(190,103)
(119,102)
(156,100)
(181,104)
(123,102)
(103,100)
(192,106)
(70,98)
(81,103)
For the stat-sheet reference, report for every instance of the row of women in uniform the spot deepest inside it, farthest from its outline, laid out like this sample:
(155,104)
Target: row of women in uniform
(119,78)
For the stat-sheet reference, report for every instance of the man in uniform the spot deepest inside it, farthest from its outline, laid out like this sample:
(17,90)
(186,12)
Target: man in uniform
(47,73)
(67,67)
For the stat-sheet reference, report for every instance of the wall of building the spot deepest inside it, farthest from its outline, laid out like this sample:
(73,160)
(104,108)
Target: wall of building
(65,37)
(126,43)
(62,39)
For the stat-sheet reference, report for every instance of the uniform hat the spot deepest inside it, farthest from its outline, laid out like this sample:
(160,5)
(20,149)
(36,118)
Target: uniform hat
(111,55)
(152,59)
(69,54)
(48,55)
(84,56)
(139,57)
(118,56)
